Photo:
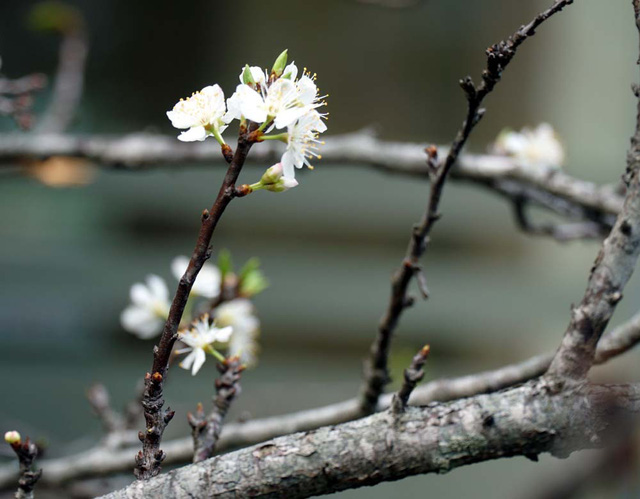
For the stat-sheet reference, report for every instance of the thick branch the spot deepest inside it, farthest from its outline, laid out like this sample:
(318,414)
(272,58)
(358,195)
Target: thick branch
(498,57)
(529,420)
(610,272)
(109,457)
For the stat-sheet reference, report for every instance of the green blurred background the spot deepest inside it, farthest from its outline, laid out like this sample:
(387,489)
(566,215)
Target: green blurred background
(68,256)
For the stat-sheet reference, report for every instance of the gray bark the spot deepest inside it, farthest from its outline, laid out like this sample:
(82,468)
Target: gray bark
(540,416)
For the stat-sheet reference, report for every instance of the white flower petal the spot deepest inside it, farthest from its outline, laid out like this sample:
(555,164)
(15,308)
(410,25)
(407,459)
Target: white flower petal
(198,360)
(307,90)
(194,134)
(181,120)
(141,322)
(178,266)
(251,104)
(288,164)
(287,117)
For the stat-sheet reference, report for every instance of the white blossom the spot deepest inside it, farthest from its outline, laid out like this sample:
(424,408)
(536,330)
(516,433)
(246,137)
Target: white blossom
(239,314)
(283,100)
(149,309)
(531,146)
(302,142)
(208,281)
(202,114)
(199,339)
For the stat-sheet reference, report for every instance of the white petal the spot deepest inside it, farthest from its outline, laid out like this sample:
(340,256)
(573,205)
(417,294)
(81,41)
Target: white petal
(222,335)
(141,322)
(291,71)
(215,95)
(179,265)
(233,109)
(141,295)
(188,360)
(181,120)
(197,133)
(288,170)
(198,360)
(208,281)
(288,116)
(251,104)
(158,287)
(307,90)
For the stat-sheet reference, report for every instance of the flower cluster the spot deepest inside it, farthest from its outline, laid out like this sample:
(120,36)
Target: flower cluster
(225,316)
(274,100)
(538,146)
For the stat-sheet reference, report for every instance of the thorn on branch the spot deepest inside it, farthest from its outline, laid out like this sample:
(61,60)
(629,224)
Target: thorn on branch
(412,376)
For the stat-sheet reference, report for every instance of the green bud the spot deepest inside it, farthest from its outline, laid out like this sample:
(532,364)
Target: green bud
(253,283)
(280,64)
(224,263)
(247,77)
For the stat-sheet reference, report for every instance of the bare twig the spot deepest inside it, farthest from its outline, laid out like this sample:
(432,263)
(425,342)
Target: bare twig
(27,452)
(412,376)
(527,420)
(206,430)
(99,399)
(498,57)
(610,272)
(561,232)
(149,459)
(108,457)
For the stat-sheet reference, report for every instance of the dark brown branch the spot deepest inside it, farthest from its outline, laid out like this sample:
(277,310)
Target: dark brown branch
(206,430)
(609,275)
(27,452)
(531,419)
(498,57)
(149,459)
(412,376)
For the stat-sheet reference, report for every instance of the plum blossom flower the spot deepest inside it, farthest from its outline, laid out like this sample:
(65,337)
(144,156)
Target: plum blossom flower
(302,142)
(531,146)
(282,100)
(199,339)
(239,314)
(202,114)
(149,309)
(207,283)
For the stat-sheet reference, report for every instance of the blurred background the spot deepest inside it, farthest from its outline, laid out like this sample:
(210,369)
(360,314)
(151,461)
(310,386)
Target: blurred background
(69,255)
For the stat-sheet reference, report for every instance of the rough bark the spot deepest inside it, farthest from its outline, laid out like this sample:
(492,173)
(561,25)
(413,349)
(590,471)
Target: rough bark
(534,418)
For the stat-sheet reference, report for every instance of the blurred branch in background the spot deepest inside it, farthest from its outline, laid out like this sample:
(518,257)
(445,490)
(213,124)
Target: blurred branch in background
(16,97)
(542,186)
(58,17)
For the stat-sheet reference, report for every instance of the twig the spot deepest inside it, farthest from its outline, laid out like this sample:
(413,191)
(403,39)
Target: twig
(206,430)
(16,97)
(412,376)
(99,400)
(561,232)
(498,57)
(528,420)
(27,452)
(149,459)
(610,272)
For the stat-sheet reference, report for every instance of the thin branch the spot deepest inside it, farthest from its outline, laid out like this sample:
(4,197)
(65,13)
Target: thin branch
(561,232)
(610,272)
(206,430)
(99,399)
(498,57)
(149,459)
(412,376)
(27,453)
(528,420)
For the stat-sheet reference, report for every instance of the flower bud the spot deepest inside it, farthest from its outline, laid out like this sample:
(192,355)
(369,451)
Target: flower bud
(284,184)
(247,77)
(12,437)
(279,65)
(273,174)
